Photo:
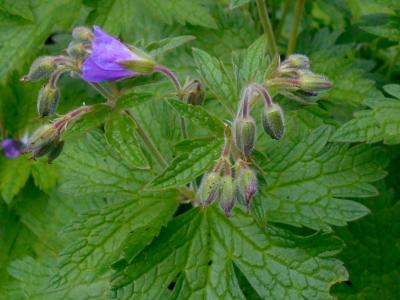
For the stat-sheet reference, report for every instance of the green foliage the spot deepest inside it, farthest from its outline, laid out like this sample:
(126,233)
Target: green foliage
(117,214)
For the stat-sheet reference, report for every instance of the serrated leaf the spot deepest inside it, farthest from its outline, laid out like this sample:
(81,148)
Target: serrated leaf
(216,78)
(309,182)
(373,274)
(380,123)
(159,48)
(198,115)
(99,235)
(97,171)
(393,90)
(13,176)
(45,175)
(120,134)
(188,166)
(18,39)
(197,252)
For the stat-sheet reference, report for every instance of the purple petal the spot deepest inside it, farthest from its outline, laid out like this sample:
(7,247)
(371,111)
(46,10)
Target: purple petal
(12,148)
(93,73)
(108,51)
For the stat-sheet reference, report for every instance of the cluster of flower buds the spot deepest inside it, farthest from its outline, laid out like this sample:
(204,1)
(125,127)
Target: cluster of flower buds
(52,68)
(229,185)
(244,126)
(294,79)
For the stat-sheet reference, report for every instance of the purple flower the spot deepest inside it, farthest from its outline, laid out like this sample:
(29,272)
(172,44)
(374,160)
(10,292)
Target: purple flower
(111,60)
(12,148)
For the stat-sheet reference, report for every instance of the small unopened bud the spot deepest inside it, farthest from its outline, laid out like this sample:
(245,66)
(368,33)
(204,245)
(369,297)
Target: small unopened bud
(196,93)
(244,134)
(51,150)
(78,50)
(296,61)
(227,199)
(82,34)
(246,185)
(47,101)
(55,151)
(209,188)
(42,137)
(310,82)
(273,121)
(41,68)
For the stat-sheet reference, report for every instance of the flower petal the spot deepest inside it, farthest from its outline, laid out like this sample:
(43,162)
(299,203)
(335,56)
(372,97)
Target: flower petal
(93,73)
(108,51)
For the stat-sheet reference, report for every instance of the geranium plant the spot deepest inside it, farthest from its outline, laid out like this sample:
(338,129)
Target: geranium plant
(199,149)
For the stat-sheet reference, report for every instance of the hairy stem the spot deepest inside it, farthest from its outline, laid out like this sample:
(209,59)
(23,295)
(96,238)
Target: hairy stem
(296,22)
(266,23)
(147,140)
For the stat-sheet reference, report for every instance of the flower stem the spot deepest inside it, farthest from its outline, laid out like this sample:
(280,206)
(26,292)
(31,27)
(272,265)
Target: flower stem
(285,12)
(266,23)
(172,77)
(296,22)
(147,140)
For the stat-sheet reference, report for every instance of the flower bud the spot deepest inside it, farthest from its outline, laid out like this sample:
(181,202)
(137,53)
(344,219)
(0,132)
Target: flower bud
(273,121)
(310,82)
(244,134)
(209,188)
(227,199)
(47,101)
(196,93)
(246,186)
(78,50)
(41,68)
(42,137)
(82,34)
(296,61)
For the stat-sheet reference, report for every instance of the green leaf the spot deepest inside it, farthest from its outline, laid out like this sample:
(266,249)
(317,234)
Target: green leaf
(380,123)
(308,181)
(393,90)
(93,170)
(188,166)
(198,115)
(197,252)
(373,274)
(45,175)
(383,25)
(238,3)
(161,47)
(120,134)
(216,79)
(20,40)
(17,8)
(13,176)
(97,237)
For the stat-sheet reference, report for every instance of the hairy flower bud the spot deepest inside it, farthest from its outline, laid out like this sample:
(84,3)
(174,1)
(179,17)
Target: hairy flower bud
(78,50)
(47,101)
(310,82)
(244,132)
(209,188)
(42,137)
(82,34)
(273,121)
(41,68)
(196,93)
(246,185)
(296,61)
(227,199)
